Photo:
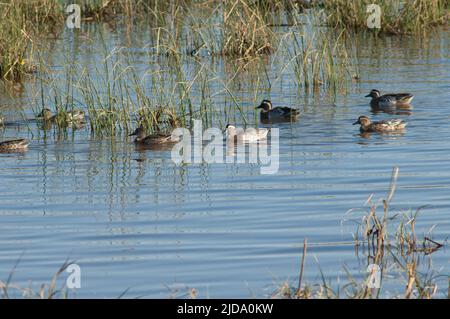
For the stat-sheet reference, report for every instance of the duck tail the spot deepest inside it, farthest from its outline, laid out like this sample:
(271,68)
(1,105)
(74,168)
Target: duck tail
(24,142)
(295,112)
(406,98)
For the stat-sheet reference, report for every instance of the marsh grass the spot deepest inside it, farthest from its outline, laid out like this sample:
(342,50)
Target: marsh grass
(320,59)
(397,17)
(22,24)
(237,28)
(245,31)
(49,290)
(118,95)
(391,247)
(315,63)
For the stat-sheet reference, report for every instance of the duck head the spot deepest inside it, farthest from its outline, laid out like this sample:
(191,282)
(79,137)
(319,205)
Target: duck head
(45,114)
(230,130)
(139,133)
(266,105)
(374,94)
(363,121)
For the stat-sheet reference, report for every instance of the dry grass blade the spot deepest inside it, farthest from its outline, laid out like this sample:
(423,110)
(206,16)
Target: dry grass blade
(393,184)
(302,267)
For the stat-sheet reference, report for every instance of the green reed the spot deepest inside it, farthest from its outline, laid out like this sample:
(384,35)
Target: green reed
(320,61)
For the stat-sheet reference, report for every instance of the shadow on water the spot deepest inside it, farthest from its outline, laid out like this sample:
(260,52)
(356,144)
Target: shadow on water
(404,110)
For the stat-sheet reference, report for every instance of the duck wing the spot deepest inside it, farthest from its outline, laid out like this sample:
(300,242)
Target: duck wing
(159,139)
(252,135)
(262,133)
(389,125)
(284,111)
(13,144)
(398,96)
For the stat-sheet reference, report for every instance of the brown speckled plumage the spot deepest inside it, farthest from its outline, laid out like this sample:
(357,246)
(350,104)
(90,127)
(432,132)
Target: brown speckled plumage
(381,126)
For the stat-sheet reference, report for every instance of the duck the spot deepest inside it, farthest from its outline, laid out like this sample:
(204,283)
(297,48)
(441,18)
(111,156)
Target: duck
(74,116)
(389,100)
(268,112)
(381,126)
(16,145)
(143,139)
(249,135)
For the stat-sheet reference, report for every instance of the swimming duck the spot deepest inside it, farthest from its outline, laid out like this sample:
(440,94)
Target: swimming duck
(277,113)
(14,145)
(249,135)
(143,139)
(74,116)
(382,126)
(389,100)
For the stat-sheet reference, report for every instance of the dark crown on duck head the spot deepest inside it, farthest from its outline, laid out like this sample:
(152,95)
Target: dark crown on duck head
(374,93)
(139,132)
(266,105)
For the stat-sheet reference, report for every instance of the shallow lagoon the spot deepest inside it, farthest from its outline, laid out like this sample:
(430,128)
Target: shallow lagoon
(133,219)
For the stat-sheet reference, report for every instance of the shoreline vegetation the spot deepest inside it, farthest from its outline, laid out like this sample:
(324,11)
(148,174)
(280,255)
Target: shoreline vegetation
(387,240)
(313,37)
(243,27)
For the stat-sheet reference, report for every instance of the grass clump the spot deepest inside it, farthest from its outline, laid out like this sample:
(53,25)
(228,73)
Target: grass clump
(21,23)
(245,31)
(317,62)
(397,17)
(45,291)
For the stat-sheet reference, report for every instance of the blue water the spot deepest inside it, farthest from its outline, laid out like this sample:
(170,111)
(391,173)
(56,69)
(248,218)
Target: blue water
(134,220)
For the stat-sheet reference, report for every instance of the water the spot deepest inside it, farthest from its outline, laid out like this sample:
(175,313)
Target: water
(133,219)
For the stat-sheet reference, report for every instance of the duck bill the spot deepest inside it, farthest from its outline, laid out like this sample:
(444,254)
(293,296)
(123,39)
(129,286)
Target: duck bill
(132,134)
(368,95)
(259,107)
(357,122)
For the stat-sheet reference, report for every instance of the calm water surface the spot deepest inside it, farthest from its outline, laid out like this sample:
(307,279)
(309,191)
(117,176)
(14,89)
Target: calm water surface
(133,219)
